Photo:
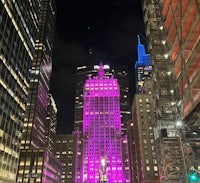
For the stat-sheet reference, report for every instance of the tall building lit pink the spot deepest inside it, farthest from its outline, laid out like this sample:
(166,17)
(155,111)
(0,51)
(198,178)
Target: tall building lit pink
(102,149)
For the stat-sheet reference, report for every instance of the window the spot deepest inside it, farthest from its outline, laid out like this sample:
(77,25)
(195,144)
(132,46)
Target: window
(155,168)
(148,168)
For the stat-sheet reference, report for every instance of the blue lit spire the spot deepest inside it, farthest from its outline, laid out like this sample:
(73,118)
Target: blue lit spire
(143,58)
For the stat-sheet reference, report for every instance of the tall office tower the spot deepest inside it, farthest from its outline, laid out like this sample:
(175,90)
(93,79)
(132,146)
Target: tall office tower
(65,150)
(18,29)
(143,163)
(165,33)
(51,123)
(102,148)
(38,166)
(143,68)
(35,122)
(120,73)
(40,72)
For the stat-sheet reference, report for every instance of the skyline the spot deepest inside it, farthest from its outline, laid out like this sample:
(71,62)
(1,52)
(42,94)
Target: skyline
(153,139)
(87,36)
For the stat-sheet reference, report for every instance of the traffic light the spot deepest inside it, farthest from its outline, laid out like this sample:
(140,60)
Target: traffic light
(193,177)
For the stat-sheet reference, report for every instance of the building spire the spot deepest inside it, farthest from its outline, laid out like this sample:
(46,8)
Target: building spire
(143,58)
(138,39)
(101,72)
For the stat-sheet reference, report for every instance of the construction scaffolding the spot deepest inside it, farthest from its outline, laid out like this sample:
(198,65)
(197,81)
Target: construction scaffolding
(169,133)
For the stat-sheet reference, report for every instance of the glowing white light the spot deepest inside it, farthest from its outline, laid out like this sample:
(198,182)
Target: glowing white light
(169,73)
(161,27)
(104,66)
(172,103)
(103,162)
(166,55)
(179,123)
(163,42)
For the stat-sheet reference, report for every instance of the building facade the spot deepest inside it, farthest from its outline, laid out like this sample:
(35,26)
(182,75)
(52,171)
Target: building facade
(120,73)
(172,34)
(143,68)
(43,167)
(40,72)
(51,123)
(37,117)
(182,24)
(18,31)
(65,150)
(102,148)
(132,152)
(143,159)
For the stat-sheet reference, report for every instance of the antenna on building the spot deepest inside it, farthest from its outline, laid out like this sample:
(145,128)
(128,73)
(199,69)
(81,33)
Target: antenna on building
(138,39)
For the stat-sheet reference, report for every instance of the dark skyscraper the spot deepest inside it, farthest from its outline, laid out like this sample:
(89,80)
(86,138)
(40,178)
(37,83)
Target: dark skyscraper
(120,73)
(18,30)
(34,145)
(40,72)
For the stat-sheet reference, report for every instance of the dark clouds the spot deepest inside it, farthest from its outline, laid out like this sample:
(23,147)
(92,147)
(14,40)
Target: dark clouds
(87,32)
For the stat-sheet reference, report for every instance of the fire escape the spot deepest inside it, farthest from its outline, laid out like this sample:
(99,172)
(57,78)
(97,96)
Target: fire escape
(169,133)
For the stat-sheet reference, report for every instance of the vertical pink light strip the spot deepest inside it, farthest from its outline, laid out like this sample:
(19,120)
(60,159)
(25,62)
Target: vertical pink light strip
(102,130)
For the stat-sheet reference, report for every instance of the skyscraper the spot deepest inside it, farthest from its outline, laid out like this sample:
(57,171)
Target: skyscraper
(143,68)
(18,30)
(120,73)
(34,145)
(40,72)
(143,159)
(102,148)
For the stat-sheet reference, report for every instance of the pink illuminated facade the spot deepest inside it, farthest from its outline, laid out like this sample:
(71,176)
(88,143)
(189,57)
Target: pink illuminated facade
(102,148)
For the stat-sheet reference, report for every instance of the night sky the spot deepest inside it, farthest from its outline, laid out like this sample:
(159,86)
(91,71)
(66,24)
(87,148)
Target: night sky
(88,32)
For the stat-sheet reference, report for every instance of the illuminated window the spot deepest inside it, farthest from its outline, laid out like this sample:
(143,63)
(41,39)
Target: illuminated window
(155,168)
